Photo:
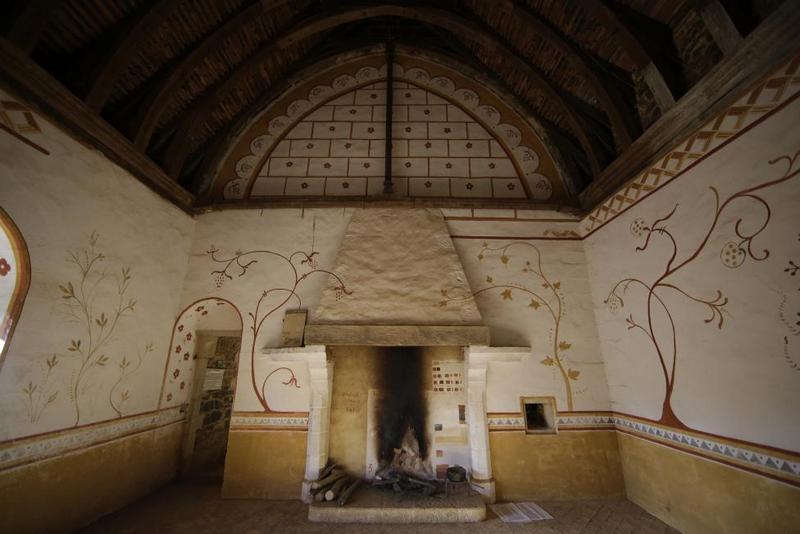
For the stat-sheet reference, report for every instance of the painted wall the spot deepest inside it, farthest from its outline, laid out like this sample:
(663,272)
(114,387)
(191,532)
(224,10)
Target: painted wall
(454,136)
(531,292)
(697,306)
(86,361)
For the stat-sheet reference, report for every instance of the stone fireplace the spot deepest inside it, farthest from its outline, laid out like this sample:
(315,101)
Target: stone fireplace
(399,360)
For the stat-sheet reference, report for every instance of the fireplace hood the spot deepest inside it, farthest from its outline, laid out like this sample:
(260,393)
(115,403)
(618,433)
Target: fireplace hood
(405,285)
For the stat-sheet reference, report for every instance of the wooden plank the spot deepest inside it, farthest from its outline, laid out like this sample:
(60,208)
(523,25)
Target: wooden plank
(396,335)
(51,99)
(772,43)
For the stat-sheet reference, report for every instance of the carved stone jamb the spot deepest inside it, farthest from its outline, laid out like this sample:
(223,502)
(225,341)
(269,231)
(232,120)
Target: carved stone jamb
(477,360)
(320,374)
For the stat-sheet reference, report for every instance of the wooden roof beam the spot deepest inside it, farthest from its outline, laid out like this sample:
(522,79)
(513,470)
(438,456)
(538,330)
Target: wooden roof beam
(562,147)
(771,44)
(115,62)
(720,25)
(651,74)
(180,145)
(159,98)
(55,102)
(624,124)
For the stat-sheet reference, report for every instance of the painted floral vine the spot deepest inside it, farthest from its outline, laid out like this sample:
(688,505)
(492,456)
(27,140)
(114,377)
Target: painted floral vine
(38,397)
(550,299)
(126,368)
(732,255)
(86,305)
(299,267)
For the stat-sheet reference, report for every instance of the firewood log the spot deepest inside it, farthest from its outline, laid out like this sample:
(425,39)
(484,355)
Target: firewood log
(347,492)
(319,496)
(420,482)
(330,479)
(334,490)
(327,470)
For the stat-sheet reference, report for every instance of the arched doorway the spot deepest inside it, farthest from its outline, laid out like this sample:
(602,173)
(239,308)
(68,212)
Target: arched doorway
(201,376)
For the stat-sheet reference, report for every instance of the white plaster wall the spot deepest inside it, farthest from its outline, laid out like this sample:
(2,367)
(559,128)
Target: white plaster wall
(741,380)
(259,235)
(503,294)
(512,322)
(57,201)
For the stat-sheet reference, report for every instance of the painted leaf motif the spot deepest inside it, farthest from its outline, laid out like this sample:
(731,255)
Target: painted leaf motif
(548,361)
(506,295)
(504,259)
(573,374)
(442,303)
(564,345)
(534,304)
(557,285)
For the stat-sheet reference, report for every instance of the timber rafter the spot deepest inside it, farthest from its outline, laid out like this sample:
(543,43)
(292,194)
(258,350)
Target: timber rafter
(157,84)
(180,145)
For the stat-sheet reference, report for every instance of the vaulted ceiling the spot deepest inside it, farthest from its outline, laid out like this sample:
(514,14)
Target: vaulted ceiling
(177,78)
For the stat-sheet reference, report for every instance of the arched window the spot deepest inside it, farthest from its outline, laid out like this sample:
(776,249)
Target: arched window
(15,277)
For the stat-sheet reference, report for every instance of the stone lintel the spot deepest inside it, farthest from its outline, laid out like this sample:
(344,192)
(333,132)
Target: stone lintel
(396,335)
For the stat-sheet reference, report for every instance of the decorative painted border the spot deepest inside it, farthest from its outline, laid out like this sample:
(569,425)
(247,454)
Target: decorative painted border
(783,467)
(501,421)
(525,159)
(762,100)
(258,421)
(30,449)
(780,465)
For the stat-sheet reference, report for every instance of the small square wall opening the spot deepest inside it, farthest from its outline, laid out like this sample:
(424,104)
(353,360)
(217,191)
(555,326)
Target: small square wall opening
(539,414)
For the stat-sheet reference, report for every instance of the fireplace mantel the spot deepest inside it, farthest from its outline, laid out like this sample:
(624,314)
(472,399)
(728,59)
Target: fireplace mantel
(396,335)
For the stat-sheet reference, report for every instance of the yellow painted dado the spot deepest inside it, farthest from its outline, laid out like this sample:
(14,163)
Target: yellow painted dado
(697,495)
(568,466)
(66,492)
(264,464)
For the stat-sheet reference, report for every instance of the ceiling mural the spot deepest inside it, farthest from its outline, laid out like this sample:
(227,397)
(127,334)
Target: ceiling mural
(452,138)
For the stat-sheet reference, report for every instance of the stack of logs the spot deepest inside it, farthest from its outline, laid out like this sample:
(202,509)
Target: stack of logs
(334,483)
(400,482)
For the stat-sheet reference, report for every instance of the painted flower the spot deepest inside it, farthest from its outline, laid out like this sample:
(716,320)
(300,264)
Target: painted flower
(185,355)
(178,349)
(732,255)
(176,373)
(189,336)
(4,267)
(614,303)
(637,227)
(183,385)
(180,328)
(169,397)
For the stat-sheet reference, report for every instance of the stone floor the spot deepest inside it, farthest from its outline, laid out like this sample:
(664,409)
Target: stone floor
(195,507)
